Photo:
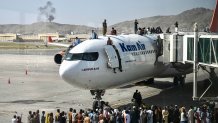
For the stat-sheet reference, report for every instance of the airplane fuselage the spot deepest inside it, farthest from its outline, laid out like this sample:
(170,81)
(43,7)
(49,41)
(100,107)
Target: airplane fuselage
(94,65)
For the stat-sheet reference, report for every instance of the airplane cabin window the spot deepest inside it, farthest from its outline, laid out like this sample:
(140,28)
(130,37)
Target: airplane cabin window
(68,56)
(92,56)
(76,57)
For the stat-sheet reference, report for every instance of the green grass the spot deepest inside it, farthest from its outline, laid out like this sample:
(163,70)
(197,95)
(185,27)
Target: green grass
(22,45)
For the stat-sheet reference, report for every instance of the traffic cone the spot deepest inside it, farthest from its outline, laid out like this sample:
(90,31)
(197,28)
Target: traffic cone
(9,81)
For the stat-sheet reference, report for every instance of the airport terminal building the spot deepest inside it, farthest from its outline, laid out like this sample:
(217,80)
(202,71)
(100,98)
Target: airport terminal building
(12,37)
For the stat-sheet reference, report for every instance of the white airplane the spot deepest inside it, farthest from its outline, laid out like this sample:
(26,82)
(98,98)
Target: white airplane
(96,66)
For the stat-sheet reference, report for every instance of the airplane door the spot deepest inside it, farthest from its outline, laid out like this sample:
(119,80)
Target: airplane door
(113,61)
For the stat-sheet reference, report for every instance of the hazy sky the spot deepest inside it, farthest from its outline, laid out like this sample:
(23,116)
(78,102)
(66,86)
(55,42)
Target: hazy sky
(93,12)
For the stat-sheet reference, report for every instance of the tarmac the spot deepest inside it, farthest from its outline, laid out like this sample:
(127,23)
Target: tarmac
(31,82)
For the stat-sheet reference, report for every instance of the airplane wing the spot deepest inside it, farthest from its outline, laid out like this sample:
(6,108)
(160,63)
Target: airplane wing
(50,42)
(59,44)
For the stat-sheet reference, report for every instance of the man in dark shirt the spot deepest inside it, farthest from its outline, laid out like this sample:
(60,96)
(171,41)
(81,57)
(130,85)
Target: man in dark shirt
(43,117)
(136,26)
(109,41)
(104,27)
(113,31)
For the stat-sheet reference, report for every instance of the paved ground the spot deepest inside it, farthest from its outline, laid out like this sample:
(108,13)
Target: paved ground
(43,89)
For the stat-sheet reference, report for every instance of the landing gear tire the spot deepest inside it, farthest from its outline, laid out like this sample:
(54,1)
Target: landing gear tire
(182,81)
(97,104)
(176,81)
(179,80)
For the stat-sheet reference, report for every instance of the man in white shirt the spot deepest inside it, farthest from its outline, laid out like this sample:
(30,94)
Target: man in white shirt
(149,116)
(93,35)
(128,119)
(191,115)
(14,119)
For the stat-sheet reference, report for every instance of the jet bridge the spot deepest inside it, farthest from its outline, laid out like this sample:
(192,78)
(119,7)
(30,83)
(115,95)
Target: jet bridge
(197,48)
(207,49)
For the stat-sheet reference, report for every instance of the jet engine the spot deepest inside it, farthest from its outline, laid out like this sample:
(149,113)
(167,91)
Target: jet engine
(58,57)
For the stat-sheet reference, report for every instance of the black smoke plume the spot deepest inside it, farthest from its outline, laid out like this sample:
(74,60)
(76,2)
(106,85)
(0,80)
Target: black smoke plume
(47,12)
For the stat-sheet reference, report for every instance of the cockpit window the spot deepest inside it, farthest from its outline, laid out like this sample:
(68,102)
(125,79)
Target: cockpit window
(92,56)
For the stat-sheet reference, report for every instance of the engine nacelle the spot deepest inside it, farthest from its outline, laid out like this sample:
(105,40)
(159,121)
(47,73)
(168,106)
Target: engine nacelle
(58,57)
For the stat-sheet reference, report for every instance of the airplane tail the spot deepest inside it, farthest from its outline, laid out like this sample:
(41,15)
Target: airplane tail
(214,21)
(49,39)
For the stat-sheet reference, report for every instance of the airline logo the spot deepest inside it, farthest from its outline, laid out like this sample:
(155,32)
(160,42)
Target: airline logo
(137,47)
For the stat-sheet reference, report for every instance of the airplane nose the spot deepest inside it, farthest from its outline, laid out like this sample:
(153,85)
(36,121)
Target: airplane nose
(64,71)
(70,74)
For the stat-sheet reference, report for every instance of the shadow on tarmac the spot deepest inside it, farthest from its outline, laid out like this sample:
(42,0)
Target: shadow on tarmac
(157,84)
(178,95)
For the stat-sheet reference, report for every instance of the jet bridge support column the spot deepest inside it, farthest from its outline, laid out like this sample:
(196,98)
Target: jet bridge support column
(195,62)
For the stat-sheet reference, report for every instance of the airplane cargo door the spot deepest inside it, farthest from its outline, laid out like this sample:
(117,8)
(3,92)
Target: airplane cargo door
(113,61)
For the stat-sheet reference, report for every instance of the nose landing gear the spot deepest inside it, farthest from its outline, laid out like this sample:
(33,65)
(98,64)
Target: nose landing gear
(179,80)
(98,103)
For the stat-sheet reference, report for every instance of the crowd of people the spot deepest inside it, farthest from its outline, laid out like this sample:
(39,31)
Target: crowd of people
(136,113)
(141,114)
(144,30)
(149,30)
(137,30)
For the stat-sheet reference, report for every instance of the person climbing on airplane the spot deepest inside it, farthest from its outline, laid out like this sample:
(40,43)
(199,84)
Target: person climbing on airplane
(109,41)
(76,42)
(113,31)
(94,35)
(104,24)
(136,26)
